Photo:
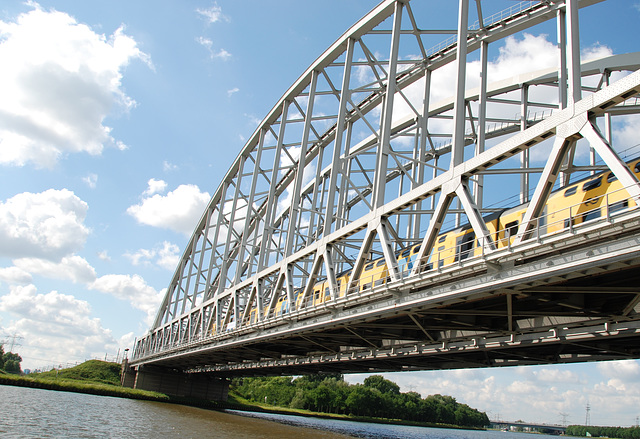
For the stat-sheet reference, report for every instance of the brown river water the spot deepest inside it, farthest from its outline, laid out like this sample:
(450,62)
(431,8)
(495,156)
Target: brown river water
(27,413)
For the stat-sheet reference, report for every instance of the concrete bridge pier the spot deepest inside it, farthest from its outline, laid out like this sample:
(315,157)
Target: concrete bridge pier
(175,383)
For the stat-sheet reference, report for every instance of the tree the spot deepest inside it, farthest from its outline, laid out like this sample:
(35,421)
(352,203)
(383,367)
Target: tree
(382,384)
(1,357)
(12,362)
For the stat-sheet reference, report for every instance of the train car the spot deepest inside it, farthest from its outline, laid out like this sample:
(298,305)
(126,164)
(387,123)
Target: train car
(588,199)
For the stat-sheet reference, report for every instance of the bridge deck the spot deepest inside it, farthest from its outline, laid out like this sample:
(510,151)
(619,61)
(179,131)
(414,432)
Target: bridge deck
(568,297)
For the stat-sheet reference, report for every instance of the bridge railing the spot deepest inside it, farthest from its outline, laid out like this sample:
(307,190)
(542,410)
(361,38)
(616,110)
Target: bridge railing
(569,220)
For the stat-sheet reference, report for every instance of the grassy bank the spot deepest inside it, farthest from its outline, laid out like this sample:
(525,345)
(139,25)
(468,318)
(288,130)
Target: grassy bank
(102,378)
(80,386)
(236,402)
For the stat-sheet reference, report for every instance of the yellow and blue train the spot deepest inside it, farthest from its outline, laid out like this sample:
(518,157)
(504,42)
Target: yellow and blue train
(585,200)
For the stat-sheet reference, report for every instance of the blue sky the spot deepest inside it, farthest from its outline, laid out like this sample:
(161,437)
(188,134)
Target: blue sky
(117,122)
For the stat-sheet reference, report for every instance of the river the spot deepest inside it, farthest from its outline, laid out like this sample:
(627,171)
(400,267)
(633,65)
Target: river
(27,413)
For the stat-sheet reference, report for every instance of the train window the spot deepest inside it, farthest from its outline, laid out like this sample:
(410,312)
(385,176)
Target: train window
(636,168)
(620,205)
(464,245)
(571,191)
(380,262)
(611,177)
(592,184)
(592,214)
(511,229)
(441,248)
(416,249)
(442,238)
(369,266)
(406,253)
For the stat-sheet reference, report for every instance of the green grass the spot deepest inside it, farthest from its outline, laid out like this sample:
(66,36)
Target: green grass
(80,386)
(92,371)
(94,377)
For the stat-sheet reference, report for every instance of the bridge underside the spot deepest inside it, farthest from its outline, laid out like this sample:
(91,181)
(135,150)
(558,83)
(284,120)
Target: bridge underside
(577,303)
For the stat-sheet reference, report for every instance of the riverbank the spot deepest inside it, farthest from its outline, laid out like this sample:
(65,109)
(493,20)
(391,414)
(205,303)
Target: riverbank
(67,385)
(51,381)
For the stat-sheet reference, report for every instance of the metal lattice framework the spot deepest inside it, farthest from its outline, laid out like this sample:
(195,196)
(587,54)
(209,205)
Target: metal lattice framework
(358,160)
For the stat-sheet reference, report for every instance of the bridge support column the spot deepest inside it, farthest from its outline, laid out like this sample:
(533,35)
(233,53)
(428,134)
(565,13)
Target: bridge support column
(188,385)
(127,375)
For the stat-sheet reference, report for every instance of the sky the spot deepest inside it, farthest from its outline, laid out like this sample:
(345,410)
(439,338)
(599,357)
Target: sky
(118,121)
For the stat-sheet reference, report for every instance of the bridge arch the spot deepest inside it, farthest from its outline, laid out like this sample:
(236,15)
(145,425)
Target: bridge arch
(360,190)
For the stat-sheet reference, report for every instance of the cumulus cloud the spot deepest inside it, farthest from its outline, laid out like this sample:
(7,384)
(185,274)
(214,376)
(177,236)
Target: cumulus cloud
(625,369)
(166,256)
(179,210)
(73,268)
(48,225)
(55,326)
(556,376)
(58,82)
(15,275)
(104,256)
(155,187)
(132,289)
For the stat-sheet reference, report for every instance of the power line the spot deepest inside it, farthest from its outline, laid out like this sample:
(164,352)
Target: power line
(587,420)
(564,419)
(13,338)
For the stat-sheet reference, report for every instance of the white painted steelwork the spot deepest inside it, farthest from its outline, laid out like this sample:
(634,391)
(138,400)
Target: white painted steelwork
(356,162)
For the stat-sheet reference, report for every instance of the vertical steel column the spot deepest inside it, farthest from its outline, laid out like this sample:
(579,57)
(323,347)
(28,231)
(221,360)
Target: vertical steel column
(524,155)
(226,257)
(343,205)
(247,221)
(382,155)
(573,58)
(562,69)
(209,292)
(423,123)
(294,208)
(482,118)
(263,256)
(457,144)
(337,165)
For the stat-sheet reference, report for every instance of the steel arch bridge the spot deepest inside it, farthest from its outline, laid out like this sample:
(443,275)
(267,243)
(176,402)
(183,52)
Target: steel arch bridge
(385,148)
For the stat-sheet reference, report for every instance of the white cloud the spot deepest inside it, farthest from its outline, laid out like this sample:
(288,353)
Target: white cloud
(56,327)
(44,225)
(626,130)
(15,275)
(208,44)
(556,376)
(179,210)
(104,256)
(223,54)
(628,370)
(132,289)
(155,187)
(232,91)
(91,180)
(166,256)
(166,166)
(212,14)
(58,82)
(73,268)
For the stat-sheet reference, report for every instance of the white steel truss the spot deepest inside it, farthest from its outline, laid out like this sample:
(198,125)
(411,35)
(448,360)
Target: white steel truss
(356,161)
